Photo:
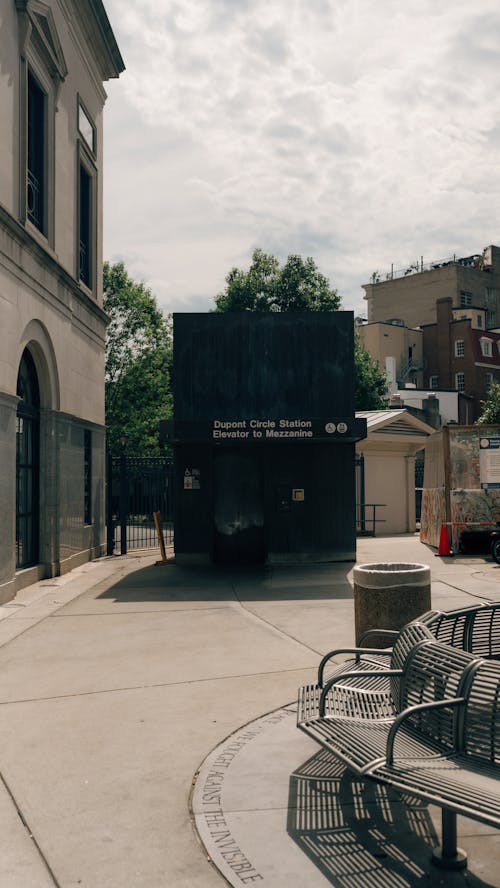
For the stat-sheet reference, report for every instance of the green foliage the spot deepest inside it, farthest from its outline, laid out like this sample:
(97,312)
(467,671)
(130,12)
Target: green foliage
(370,383)
(267,286)
(299,286)
(491,407)
(138,363)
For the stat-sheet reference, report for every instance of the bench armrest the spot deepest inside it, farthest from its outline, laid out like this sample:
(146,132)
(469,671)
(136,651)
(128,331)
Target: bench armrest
(360,652)
(420,707)
(390,634)
(378,673)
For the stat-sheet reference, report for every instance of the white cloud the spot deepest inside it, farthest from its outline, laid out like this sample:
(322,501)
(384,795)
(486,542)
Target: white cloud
(355,132)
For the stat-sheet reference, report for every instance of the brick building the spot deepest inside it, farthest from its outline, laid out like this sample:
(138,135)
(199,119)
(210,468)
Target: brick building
(461,353)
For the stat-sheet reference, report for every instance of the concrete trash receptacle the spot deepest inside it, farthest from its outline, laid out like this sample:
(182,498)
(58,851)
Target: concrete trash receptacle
(389,595)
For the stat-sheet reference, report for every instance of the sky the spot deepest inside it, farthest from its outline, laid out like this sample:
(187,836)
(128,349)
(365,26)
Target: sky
(364,134)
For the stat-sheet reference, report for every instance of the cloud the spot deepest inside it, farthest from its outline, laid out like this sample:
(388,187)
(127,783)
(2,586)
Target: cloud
(355,132)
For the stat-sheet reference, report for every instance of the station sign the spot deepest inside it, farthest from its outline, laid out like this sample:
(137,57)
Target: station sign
(253,430)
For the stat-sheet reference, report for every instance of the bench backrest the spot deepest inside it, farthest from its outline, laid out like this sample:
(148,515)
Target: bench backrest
(435,671)
(484,632)
(475,629)
(412,634)
(480,727)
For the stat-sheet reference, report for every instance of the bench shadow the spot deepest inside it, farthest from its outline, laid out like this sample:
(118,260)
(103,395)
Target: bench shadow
(172,582)
(357,832)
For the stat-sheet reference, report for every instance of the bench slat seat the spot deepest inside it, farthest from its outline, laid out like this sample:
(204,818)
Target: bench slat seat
(456,782)
(371,702)
(364,695)
(361,746)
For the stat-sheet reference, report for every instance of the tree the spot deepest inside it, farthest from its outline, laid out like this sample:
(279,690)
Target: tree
(491,407)
(138,363)
(298,285)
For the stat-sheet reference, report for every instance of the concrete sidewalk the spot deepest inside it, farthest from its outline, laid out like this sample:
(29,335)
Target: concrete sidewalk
(122,682)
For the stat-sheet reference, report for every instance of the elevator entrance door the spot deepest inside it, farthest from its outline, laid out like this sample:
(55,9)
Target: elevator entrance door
(238,506)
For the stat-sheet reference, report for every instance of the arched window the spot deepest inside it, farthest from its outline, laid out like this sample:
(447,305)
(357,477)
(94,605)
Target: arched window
(27,463)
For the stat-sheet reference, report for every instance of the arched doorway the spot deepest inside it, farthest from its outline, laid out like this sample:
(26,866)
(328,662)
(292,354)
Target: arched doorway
(27,463)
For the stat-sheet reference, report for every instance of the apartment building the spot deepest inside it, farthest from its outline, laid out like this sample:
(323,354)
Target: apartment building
(461,353)
(55,57)
(397,348)
(410,294)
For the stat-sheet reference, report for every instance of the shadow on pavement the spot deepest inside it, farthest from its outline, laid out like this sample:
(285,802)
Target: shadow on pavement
(359,833)
(171,582)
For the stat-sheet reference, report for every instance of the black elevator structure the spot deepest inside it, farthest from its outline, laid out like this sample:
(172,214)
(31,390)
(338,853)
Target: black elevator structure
(264,434)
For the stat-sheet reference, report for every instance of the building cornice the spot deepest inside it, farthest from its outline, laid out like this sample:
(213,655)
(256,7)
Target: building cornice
(96,27)
(108,37)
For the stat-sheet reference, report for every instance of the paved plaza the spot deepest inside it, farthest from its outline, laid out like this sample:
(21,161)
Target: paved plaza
(148,732)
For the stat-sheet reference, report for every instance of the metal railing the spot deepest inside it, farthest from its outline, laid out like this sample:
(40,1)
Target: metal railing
(366,518)
(476,261)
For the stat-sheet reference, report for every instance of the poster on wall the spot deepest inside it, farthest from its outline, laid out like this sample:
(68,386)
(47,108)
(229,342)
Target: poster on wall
(191,479)
(489,462)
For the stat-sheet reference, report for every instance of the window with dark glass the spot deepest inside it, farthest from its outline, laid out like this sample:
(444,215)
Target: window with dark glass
(87,476)
(85,226)
(36,184)
(27,463)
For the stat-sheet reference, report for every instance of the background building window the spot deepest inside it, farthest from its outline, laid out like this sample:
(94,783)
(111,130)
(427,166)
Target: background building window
(459,348)
(36,179)
(488,379)
(86,128)
(460,382)
(433,382)
(479,320)
(490,301)
(486,348)
(465,297)
(85,226)
(87,476)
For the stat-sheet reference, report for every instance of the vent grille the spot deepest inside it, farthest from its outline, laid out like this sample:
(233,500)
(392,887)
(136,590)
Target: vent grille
(400,428)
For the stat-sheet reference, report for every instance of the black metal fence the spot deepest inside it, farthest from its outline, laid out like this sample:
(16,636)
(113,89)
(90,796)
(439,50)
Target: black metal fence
(136,488)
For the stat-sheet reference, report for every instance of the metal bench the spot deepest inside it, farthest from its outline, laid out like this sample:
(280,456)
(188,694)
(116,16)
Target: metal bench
(475,629)
(440,743)
(361,683)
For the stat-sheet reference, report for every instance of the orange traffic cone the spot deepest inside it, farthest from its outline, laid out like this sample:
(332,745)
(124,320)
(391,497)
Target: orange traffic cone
(444,542)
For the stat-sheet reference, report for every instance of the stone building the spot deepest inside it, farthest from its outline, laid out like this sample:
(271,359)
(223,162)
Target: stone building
(54,58)
(410,295)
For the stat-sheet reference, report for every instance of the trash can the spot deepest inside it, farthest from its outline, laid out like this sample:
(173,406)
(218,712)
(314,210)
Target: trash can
(389,595)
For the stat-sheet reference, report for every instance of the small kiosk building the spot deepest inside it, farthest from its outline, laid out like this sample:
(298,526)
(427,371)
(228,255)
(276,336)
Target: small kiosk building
(264,435)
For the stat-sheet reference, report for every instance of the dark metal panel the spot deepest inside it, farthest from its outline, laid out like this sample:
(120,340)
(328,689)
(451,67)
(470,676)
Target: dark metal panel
(248,364)
(323,521)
